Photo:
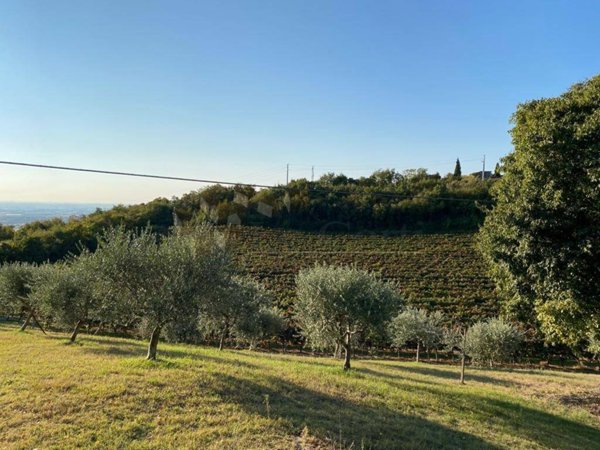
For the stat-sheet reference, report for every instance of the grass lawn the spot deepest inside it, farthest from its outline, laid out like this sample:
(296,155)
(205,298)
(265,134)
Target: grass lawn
(101,393)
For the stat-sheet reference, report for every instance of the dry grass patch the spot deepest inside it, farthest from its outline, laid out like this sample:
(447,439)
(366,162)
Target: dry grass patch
(103,394)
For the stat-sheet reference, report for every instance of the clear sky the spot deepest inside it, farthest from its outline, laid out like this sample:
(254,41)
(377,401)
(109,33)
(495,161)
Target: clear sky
(234,90)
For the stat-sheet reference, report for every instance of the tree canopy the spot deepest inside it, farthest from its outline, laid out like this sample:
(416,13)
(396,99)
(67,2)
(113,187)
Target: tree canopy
(385,200)
(336,304)
(164,278)
(542,238)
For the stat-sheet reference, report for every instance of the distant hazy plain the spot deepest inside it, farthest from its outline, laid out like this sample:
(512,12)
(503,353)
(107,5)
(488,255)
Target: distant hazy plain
(19,213)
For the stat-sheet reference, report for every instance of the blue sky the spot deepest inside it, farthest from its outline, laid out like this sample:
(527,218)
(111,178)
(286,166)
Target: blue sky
(235,90)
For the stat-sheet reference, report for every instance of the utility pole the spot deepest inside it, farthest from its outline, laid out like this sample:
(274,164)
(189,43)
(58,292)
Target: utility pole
(312,173)
(483,169)
(287,174)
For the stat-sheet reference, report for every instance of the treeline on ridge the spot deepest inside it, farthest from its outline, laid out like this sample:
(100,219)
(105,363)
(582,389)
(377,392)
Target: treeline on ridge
(412,201)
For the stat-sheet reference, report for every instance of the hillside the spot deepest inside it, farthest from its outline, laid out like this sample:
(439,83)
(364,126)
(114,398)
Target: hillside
(437,270)
(100,393)
(386,200)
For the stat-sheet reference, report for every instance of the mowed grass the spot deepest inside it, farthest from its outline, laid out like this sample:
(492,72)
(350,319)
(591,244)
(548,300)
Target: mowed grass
(101,393)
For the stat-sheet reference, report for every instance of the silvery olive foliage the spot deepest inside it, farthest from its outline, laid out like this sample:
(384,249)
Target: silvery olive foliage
(67,293)
(240,310)
(167,278)
(334,305)
(419,327)
(16,282)
(492,341)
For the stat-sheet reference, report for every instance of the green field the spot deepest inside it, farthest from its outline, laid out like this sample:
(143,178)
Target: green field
(442,271)
(101,393)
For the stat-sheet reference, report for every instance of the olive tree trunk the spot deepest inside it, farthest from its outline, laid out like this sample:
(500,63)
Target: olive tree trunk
(418,349)
(38,322)
(27,320)
(76,330)
(463,357)
(153,343)
(222,339)
(347,351)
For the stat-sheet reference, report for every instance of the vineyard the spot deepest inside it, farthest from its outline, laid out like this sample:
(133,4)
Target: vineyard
(433,271)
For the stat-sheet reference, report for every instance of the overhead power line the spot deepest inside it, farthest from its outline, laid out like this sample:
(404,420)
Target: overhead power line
(133,174)
(231,183)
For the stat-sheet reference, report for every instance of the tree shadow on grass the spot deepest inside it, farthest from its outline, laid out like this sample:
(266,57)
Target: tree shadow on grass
(380,427)
(366,372)
(172,353)
(540,426)
(170,357)
(339,421)
(449,374)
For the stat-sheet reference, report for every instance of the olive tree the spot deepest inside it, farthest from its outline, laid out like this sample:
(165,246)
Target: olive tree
(164,278)
(542,239)
(417,326)
(69,292)
(335,304)
(456,339)
(238,309)
(16,282)
(492,341)
(270,324)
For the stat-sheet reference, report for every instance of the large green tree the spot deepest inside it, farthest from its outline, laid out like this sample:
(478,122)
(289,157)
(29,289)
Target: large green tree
(542,238)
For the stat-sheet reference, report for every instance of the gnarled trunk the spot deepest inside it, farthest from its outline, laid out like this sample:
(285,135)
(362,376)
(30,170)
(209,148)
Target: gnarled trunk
(347,351)
(27,320)
(153,343)
(338,351)
(76,330)
(38,323)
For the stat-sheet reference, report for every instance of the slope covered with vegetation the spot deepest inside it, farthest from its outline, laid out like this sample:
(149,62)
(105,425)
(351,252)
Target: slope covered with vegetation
(441,271)
(387,200)
(100,393)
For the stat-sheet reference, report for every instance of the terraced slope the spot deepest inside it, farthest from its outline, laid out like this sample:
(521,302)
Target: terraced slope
(442,271)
